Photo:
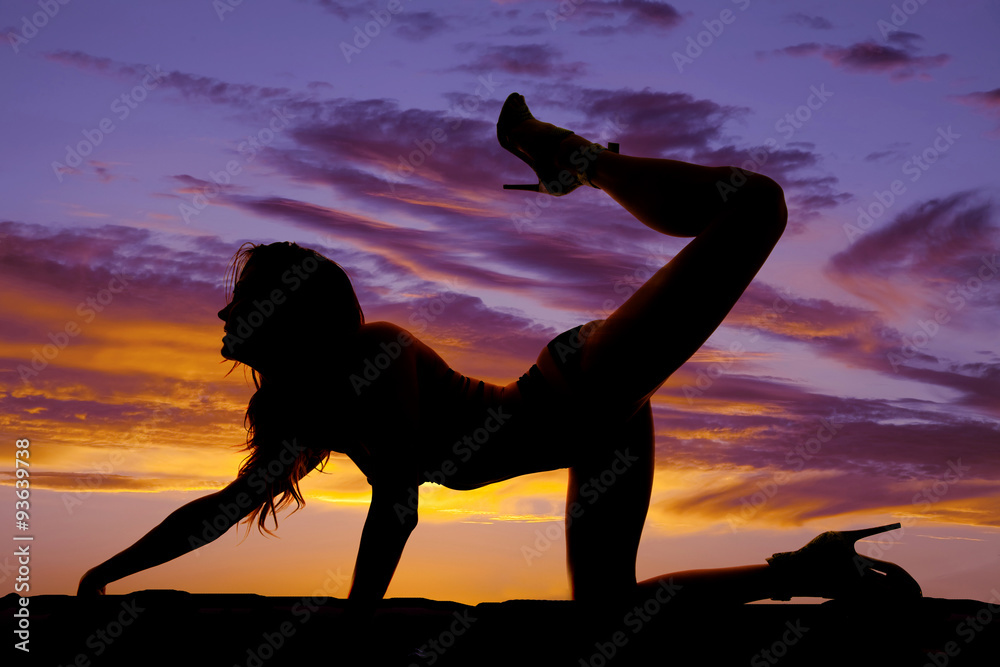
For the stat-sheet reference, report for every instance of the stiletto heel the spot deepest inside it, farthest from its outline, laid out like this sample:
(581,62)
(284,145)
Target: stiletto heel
(854,535)
(829,567)
(551,179)
(537,187)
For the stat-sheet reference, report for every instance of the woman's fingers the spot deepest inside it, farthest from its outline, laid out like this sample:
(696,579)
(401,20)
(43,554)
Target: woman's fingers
(90,586)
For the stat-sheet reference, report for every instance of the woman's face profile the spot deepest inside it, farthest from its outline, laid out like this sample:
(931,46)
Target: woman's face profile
(242,322)
(281,303)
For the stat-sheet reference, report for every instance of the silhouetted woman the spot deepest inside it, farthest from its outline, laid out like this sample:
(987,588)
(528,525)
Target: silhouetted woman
(328,381)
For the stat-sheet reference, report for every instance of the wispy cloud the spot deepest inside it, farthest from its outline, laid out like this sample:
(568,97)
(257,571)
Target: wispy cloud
(534,60)
(808,21)
(900,62)
(986,102)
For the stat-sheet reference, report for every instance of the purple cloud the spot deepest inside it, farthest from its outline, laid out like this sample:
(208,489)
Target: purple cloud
(900,64)
(989,100)
(934,242)
(609,18)
(536,60)
(986,102)
(814,22)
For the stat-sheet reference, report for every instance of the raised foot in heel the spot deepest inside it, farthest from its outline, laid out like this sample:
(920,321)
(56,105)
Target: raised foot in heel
(542,158)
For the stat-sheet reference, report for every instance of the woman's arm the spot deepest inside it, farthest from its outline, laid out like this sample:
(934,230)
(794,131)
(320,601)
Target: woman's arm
(191,526)
(392,516)
(390,406)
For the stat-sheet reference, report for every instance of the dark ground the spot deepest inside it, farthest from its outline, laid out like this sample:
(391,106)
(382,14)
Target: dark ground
(164,627)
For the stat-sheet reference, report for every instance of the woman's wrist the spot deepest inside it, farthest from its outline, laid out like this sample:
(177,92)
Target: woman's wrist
(92,583)
(103,573)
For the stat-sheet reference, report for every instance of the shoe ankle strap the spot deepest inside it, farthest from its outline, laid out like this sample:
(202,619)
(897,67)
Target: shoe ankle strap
(590,152)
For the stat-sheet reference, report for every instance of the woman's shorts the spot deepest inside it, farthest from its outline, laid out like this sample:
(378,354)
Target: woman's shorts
(556,377)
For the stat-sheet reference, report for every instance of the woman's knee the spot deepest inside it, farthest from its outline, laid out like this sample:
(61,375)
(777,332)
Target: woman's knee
(765,197)
(774,195)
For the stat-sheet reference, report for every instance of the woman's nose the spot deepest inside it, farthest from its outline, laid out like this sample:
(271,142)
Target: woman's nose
(224,313)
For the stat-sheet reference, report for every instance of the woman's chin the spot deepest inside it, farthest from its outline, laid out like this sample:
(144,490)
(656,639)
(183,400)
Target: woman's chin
(231,356)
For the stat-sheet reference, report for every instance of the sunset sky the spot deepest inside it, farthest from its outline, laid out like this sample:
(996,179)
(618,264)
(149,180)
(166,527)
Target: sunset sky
(865,386)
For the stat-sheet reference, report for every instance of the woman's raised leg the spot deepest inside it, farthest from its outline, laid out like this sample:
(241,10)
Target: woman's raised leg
(670,316)
(627,357)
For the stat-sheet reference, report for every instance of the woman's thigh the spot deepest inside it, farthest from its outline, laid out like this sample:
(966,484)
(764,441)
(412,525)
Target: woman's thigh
(604,393)
(673,313)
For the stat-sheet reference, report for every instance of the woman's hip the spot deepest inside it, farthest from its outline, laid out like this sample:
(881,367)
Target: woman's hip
(596,399)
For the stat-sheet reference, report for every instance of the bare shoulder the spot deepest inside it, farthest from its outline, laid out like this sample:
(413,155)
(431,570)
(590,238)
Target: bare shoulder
(388,376)
(382,331)
(390,366)
(395,342)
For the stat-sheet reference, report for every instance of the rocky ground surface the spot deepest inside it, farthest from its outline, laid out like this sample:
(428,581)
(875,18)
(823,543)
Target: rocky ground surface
(163,627)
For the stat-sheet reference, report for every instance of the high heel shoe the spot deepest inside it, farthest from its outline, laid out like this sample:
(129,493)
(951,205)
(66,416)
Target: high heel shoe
(829,567)
(551,178)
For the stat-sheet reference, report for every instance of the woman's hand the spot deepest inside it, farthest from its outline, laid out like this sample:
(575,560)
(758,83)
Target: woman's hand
(91,584)
(383,537)
(172,537)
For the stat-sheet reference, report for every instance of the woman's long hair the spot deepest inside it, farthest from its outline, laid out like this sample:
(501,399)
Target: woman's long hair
(281,418)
